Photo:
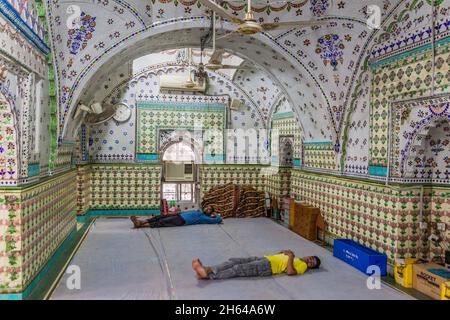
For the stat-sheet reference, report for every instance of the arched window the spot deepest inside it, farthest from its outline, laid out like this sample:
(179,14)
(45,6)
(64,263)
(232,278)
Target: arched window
(179,152)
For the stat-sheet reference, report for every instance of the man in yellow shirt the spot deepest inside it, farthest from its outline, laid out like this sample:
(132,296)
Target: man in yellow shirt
(283,262)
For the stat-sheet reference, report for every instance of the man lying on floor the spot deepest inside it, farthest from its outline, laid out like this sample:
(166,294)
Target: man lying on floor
(180,219)
(284,262)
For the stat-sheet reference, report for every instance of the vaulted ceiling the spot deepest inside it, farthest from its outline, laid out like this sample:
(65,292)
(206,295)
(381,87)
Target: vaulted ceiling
(315,68)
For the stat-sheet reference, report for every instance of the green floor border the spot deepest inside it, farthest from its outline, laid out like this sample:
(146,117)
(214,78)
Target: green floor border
(38,289)
(122,213)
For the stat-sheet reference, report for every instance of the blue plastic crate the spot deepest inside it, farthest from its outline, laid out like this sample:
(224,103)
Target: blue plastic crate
(359,256)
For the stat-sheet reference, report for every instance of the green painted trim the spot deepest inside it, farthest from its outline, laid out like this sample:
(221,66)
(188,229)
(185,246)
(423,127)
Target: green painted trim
(147,157)
(378,171)
(217,157)
(82,219)
(283,115)
(33,170)
(52,88)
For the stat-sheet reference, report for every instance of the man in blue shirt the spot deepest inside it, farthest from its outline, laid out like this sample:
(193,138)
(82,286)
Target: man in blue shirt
(180,219)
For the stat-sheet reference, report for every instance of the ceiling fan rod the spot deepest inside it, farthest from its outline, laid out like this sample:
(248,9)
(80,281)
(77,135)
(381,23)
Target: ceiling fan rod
(214,31)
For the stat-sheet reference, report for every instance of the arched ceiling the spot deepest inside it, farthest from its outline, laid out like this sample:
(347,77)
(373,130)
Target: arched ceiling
(256,84)
(314,67)
(112,85)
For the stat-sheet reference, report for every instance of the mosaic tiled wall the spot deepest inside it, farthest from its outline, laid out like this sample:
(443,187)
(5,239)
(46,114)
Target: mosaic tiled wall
(120,187)
(440,213)
(8,143)
(63,161)
(83,189)
(277,181)
(24,81)
(407,76)
(115,142)
(420,141)
(285,124)
(27,12)
(213,175)
(154,116)
(383,218)
(319,155)
(33,223)
(247,146)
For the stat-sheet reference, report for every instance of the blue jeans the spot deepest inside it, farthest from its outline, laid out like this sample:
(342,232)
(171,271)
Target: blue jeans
(242,267)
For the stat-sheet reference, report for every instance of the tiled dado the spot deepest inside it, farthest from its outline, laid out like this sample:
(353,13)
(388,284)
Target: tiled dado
(278,181)
(383,218)
(34,222)
(244,175)
(440,213)
(83,189)
(119,187)
(319,155)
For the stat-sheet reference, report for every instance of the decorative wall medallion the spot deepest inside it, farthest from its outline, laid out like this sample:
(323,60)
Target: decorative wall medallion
(330,48)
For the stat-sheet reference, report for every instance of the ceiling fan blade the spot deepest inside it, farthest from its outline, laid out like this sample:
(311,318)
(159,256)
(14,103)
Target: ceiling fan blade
(217,57)
(220,11)
(225,66)
(227,35)
(292,24)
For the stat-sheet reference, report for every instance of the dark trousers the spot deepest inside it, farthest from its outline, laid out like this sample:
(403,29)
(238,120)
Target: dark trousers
(242,267)
(166,221)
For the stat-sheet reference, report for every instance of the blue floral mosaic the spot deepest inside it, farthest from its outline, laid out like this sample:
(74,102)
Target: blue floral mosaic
(78,38)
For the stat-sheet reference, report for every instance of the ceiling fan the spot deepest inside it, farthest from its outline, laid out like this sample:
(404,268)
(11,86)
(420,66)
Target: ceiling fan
(216,60)
(249,25)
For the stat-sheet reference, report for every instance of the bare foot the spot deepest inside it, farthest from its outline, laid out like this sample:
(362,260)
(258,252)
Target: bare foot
(136,222)
(196,263)
(199,269)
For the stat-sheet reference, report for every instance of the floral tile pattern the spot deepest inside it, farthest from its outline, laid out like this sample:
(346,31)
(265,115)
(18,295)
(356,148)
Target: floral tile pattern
(319,156)
(163,115)
(120,187)
(8,144)
(385,219)
(407,77)
(285,124)
(33,223)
